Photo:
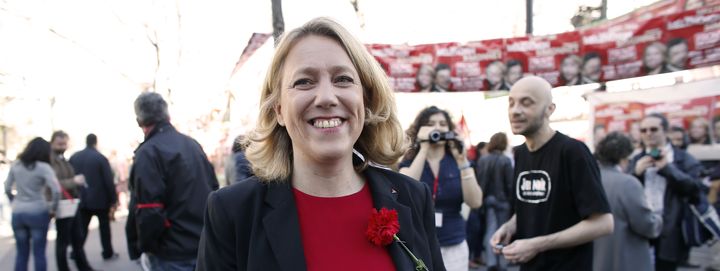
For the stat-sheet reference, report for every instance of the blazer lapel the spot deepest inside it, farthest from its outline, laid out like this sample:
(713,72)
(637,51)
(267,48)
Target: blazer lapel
(385,194)
(283,227)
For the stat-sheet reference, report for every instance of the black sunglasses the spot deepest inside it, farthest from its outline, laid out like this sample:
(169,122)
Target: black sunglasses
(651,129)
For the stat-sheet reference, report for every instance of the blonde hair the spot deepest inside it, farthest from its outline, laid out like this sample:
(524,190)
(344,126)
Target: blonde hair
(381,141)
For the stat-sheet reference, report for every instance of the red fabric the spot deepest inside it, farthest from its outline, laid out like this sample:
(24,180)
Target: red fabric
(435,185)
(149,205)
(333,233)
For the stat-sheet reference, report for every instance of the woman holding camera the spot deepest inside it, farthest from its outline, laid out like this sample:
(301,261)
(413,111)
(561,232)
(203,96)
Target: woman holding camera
(438,159)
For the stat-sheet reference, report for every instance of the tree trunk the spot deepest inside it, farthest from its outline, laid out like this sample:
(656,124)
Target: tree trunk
(277,20)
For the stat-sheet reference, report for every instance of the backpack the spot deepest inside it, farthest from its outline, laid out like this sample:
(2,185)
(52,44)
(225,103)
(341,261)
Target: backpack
(700,224)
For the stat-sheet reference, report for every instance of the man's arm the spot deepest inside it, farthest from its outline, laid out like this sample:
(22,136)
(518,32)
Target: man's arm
(108,182)
(685,181)
(149,191)
(584,231)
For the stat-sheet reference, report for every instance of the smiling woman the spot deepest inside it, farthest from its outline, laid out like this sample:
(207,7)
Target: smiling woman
(327,123)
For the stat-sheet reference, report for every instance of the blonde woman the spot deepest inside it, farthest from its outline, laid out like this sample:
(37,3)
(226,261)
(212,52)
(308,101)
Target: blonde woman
(327,123)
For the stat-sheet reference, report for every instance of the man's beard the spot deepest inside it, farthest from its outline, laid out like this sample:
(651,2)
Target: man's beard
(533,127)
(59,152)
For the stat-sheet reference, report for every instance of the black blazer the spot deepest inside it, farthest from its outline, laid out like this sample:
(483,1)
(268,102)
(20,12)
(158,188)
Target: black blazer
(254,226)
(100,192)
(683,183)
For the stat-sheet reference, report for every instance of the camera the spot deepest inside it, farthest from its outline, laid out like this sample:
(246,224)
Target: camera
(436,136)
(655,154)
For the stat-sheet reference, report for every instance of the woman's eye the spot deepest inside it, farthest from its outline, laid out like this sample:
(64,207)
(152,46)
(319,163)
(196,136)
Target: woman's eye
(344,80)
(302,83)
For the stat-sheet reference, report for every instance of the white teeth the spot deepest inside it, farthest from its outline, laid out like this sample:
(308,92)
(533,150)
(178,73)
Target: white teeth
(331,123)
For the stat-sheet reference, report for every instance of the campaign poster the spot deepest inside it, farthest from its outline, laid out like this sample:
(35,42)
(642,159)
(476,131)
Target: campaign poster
(692,39)
(404,64)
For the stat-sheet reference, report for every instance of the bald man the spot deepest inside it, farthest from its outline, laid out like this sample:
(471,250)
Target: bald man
(560,205)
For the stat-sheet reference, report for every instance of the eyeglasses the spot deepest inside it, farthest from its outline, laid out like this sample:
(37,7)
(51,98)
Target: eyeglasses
(651,129)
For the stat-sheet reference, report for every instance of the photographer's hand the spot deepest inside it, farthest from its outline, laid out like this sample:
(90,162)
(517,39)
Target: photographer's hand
(460,157)
(642,164)
(422,136)
(663,161)
(421,142)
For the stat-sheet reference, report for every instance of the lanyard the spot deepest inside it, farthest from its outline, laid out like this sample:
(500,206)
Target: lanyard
(435,186)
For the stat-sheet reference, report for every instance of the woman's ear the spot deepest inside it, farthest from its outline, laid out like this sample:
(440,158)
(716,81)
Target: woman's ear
(278,115)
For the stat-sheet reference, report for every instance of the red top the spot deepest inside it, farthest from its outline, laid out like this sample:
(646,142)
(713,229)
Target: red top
(333,233)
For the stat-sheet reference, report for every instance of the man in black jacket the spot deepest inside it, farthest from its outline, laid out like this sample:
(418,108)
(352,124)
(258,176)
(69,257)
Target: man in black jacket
(99,195)
(670,178)
(170,181)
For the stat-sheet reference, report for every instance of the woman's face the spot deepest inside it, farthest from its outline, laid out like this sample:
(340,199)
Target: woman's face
(321,102)
(514,74)
(591,69)
(653,57)
(698,131)
(425,77)
(494,75)
(438,122)
(570,69)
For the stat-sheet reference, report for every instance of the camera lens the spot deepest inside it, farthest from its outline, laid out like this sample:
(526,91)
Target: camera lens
(434,136)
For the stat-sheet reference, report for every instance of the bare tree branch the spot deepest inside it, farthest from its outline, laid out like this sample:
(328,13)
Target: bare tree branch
(72,41)
(179,20)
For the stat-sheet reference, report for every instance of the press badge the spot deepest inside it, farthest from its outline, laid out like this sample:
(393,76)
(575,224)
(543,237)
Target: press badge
(438,220)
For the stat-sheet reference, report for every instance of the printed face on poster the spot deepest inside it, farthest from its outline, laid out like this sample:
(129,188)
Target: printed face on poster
(662,40)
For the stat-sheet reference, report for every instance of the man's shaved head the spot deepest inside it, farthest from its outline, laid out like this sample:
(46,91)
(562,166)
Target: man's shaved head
(530,105)
(535,86)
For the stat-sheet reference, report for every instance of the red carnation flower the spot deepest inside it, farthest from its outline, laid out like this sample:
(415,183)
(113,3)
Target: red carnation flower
(382,227)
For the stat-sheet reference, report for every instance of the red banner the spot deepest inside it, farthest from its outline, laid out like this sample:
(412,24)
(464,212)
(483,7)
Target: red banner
(630,47)
(625,117)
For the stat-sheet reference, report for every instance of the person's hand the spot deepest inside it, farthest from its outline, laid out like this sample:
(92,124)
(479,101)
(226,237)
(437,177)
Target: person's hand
(521,251)
(460,156)
(642,164)
(79,179)
(502,236)
(660,164)
(422,136)
(424,132)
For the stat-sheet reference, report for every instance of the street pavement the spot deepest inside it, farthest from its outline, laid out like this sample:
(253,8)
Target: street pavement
(93,249)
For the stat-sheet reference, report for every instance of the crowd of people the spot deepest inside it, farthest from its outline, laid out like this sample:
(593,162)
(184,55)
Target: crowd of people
(329,180)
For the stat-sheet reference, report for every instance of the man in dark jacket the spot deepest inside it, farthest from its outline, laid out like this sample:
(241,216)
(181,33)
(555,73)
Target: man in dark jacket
(99,195)
(170,180)
(670,177)
(68,229)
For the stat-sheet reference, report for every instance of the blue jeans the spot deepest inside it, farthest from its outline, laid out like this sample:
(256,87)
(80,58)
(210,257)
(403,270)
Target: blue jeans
(158,264)
(494,219)
(27,228)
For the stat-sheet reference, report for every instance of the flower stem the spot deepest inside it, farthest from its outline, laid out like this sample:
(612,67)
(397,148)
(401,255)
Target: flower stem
(419,264)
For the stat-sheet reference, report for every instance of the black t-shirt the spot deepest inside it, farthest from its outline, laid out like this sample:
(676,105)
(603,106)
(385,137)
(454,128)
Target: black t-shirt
(556,187)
